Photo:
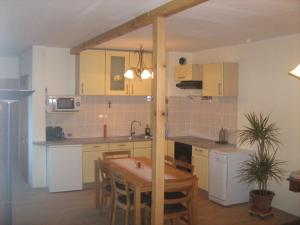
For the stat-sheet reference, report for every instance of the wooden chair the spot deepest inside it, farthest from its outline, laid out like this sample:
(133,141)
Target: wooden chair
(188,167)
(177,208)
(103,187)
(123,197)
(169,160)
(117,154)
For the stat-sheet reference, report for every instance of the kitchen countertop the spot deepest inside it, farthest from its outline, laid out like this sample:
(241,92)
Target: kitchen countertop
(93,140)
(199,142)
(195,141)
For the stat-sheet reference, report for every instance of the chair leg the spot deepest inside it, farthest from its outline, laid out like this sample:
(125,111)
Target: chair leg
(172,221)
(127,216)
(113,212)
(101,197)
(147,216)
(97,185)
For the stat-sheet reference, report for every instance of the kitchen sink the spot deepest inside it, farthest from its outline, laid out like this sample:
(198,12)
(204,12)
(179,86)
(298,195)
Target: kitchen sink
(140,137)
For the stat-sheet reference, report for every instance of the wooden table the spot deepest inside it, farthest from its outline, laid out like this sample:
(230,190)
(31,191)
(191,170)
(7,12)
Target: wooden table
(140,180)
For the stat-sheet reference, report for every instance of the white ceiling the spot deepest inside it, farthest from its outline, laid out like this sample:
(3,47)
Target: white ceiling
(216,23)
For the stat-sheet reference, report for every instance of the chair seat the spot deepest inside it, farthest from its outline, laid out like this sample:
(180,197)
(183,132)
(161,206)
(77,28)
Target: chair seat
(108,188)
(172,195)
(174,208)
(145,199)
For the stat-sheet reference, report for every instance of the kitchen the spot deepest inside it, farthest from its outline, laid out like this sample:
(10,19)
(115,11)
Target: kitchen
(183,111)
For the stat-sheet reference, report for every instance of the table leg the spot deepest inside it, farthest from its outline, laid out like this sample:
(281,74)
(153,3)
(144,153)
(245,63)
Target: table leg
(194,202)
(137,206)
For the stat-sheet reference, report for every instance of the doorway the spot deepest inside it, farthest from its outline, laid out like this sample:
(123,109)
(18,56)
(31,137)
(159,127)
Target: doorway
(23,130)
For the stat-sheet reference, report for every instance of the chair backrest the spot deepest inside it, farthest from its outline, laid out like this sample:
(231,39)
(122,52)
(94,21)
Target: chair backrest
(120,185)
(188,167)
(117,154)
(104,170)
(169,160)
(185,185)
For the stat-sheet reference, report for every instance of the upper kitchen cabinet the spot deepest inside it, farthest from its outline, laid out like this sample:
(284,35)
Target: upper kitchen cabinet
(188,72)
(117,63)
(139,87)
(220,79)
(92,72)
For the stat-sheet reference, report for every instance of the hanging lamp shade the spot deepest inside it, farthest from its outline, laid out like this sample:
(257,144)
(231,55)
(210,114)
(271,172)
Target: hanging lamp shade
(145,74)
(296,71)
(140,70)
(129,74)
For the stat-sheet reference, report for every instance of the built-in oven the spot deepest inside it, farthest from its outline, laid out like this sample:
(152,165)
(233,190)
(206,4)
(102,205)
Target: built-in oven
(183,152)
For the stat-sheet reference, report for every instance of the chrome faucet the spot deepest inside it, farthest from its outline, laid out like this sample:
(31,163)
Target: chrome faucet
(132,130)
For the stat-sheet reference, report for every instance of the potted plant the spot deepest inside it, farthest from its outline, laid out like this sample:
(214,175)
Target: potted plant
(263,165)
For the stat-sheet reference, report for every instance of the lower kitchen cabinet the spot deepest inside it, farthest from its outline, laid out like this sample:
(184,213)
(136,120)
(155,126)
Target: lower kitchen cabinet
(91,152)
(169,148)
(142,149)
(200,163)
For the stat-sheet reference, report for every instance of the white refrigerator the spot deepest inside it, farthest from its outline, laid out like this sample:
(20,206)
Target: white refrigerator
(64,168)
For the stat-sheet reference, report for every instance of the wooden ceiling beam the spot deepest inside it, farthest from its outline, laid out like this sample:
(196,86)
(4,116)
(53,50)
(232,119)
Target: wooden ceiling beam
(143,20)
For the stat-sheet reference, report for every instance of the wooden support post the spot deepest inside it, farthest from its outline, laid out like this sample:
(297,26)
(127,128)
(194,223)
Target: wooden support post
(158,120)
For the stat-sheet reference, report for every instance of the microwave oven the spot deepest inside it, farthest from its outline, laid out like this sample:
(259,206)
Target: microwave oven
(63,103)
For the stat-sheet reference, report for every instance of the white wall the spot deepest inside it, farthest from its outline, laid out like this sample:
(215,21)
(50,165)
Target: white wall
(9,67)
(54,69)
(265,86)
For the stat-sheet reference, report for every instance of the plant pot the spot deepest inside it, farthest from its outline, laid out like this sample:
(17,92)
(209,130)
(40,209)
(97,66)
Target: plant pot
(261,202)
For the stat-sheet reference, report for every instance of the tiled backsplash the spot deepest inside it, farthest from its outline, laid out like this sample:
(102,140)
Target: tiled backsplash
(95,112)
(203,118)
(196,117)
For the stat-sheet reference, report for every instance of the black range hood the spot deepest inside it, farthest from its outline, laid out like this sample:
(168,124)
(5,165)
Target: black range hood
(190,84)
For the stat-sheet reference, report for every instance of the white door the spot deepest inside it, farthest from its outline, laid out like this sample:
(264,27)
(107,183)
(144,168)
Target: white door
(218,175)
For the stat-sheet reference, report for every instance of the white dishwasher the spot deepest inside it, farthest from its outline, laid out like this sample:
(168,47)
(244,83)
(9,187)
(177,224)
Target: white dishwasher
(64,168)
(224,185)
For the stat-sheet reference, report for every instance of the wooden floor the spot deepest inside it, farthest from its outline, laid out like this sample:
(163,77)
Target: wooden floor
(39,207)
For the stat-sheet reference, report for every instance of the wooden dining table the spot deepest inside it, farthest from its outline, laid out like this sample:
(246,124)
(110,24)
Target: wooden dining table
(140,180)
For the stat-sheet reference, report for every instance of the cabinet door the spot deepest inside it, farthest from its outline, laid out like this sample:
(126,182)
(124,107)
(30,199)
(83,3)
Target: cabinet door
(89,165)
(142,152)
(170,146)
(117,63)
(137,85)
(200,163)
(183,72)
(213,79)
(92,72)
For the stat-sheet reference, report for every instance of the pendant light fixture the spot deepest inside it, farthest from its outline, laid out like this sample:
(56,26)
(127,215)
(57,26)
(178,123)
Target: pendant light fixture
(140,70)
(296,71)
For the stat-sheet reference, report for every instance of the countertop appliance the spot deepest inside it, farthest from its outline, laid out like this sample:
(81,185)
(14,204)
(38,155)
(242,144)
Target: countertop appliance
(63,103)
(54,133)
(64,168)
(224,185)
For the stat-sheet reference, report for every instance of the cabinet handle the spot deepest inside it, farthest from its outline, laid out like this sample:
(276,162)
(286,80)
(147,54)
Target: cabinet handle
(181,77)
(132,89)
(220,86)
(96,146)
(122,145)
(82,88)
(127,89)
